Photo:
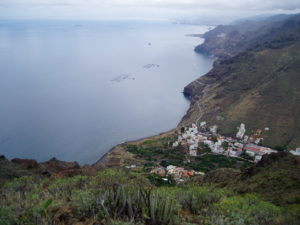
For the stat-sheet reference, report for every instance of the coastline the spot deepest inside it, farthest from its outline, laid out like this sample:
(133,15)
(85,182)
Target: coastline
(116,150)
(105,159)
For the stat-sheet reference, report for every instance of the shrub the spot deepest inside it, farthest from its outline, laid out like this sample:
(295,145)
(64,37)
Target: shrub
(85,203)
(121,202)
(7,217)
(199,199)
(290,215)
(247,209)
(110,177)
(163,208)
(63,187)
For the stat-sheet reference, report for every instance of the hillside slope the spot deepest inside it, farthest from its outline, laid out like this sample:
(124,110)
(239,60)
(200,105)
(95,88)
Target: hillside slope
(258,86)
(275,178)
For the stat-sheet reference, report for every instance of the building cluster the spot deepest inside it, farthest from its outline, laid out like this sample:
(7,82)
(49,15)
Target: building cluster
(257,151)
(178,173)
(218,144)
(190,137)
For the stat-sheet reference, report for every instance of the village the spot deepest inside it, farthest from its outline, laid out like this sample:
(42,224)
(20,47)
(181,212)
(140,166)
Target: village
(193,138)
(241,146)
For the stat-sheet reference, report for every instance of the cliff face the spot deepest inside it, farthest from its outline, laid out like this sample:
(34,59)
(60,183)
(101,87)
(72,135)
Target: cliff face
(257,84)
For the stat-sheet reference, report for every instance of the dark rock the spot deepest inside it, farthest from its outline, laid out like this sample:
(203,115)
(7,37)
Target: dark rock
(64,217)
(26,163)
(297,161)
(2,157)
(61,167)
(46,173)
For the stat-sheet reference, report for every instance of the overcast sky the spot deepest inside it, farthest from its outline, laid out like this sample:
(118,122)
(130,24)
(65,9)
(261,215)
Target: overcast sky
(142,9)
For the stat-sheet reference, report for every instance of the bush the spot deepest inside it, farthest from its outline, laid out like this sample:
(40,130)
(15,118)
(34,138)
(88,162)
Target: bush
(198,199)
(163,208)
(121,202)
(62,188)
(7,217)
(85,201)
(280,148)
(116,197)
(290,215)
(247,209)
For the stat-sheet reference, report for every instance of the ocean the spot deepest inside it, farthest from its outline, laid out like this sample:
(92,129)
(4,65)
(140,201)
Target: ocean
(74,89)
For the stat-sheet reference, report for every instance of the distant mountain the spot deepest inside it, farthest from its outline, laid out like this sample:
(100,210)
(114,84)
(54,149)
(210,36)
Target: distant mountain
(228,40)
(255,79)
(267,18)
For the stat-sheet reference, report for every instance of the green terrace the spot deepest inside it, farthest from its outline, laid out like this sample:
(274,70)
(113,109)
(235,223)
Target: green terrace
(160,152)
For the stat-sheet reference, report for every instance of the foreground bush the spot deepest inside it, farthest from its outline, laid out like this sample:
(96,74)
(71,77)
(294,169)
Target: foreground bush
(240,210)
(118,197)
(198,199)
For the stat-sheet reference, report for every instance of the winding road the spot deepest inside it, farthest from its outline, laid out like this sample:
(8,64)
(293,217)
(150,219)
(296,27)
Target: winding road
(200,107)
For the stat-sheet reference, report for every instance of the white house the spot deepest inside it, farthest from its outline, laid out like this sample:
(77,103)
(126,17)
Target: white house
(213,129)
(170,167)
(179,138)
(203,124)
(209,143)
(241,131)
(257,158)
(192,147)
(175,144)
(296,152)
(250,153)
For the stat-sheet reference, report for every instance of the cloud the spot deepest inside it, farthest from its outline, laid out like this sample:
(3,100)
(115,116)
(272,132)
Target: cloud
(158,8)
(208,4)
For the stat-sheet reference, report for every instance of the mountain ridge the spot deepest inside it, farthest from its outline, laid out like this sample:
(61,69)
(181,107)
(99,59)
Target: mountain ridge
(256,84)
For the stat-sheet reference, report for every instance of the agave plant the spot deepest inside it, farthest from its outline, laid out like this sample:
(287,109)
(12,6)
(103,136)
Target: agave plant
(162,209)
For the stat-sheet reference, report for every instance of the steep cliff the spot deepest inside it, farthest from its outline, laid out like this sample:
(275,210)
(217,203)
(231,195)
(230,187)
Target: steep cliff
(257,84)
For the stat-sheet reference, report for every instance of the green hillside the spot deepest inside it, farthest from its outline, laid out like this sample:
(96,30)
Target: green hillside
(119,197)
(275,178)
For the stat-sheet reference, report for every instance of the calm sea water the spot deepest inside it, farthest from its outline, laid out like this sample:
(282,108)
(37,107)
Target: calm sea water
(72,90)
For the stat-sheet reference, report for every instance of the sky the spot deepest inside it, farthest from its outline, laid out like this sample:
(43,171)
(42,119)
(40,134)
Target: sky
(188,10)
